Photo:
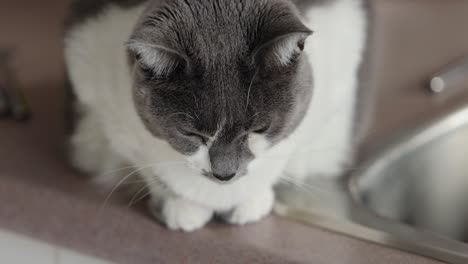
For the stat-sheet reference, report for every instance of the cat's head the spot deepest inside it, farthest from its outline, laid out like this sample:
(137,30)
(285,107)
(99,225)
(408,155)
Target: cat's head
(221,81)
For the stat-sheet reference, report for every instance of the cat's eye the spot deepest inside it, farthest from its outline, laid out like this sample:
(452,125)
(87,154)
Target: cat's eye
(262,130)
(192,134)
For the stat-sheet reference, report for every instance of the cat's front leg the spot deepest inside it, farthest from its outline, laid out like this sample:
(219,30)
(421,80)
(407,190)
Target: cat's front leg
(251,210)
(178,213)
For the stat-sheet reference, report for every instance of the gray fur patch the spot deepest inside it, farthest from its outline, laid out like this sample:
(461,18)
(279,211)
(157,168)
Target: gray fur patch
(221,70)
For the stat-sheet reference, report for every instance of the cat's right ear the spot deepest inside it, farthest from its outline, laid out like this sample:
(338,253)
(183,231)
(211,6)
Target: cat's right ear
(282,49)
(158,62)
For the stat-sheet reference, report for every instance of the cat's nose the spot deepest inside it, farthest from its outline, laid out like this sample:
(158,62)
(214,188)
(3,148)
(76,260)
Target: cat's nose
(224,177)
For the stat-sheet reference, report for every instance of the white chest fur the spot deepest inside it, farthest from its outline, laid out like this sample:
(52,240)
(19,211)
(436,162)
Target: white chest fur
(335,53)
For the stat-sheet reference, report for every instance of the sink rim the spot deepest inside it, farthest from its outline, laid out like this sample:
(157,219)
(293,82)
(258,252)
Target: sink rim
(434,245)
(363,223)
(407,141)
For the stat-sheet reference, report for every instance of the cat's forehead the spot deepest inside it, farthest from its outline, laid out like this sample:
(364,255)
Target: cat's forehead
(217,25)
(207,11)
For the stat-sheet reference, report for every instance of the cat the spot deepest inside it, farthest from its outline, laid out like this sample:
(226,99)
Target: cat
(215,101)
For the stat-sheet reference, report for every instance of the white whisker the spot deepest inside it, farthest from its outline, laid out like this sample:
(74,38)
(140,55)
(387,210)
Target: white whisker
(117,170)
(135,173)
(250,88)
(304,185)
(134,197)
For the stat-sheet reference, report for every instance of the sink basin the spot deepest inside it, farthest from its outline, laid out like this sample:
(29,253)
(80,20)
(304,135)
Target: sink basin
(413,196)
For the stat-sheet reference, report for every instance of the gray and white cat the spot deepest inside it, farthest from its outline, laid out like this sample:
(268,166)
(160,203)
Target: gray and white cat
(217,100)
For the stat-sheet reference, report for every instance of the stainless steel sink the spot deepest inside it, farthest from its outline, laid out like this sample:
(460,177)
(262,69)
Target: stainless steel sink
(412,196)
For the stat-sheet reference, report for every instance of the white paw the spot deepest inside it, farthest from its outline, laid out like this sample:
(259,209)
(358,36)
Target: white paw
(251,210)
(180,214)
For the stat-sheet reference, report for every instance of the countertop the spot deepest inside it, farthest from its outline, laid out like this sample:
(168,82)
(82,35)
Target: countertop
(42,197)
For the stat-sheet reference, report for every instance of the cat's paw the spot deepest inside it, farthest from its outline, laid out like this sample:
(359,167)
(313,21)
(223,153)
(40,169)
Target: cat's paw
(180,214)
(251,210)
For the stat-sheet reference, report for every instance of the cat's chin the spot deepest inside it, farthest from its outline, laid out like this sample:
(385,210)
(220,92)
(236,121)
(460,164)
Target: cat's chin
(222,182)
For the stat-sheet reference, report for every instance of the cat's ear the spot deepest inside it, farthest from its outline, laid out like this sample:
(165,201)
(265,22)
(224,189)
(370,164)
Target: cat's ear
(156,60)
(284,49)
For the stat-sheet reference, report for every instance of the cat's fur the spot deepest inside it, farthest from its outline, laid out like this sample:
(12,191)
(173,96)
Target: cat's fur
(216,96)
